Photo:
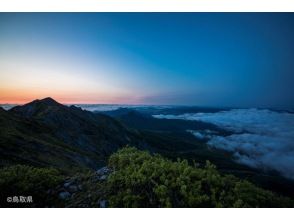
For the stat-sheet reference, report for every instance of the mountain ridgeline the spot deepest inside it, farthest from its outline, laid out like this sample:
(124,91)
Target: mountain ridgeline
(47,133)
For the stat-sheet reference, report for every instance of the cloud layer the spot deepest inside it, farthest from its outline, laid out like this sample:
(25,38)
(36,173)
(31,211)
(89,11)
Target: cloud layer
(263,138)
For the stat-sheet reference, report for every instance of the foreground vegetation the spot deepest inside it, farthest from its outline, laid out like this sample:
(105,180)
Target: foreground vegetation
(26,181)
(136,178)
(142,180)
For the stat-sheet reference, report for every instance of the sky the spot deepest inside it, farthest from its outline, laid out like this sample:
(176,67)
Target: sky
(205,59)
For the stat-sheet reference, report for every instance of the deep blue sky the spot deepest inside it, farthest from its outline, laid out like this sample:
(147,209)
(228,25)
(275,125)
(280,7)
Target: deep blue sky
(212,59)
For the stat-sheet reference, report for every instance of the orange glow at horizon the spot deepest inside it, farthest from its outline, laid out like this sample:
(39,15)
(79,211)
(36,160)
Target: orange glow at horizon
(19,96)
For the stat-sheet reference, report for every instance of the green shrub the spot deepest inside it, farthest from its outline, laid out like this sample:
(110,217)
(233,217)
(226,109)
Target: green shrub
(26,181)
(142,180)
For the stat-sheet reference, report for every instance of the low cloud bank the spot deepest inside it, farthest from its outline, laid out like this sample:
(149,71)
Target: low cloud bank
(7,106)
(263,138)
(113,107)
(203,134)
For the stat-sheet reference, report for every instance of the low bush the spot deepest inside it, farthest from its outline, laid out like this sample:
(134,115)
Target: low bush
(143,180)
(26,181)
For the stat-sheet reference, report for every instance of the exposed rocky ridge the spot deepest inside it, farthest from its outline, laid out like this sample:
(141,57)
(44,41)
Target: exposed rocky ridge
(84,190)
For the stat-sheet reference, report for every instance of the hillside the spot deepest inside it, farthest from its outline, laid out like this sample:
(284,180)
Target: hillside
(47,133)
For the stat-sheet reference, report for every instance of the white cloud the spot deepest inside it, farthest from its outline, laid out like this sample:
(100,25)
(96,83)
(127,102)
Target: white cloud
(7,106)
(197,134)
(112,107)
(262,139)
(202,134)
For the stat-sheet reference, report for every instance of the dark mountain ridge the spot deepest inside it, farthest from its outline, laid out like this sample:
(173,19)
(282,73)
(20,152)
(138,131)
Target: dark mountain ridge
(45,132)
(142,120)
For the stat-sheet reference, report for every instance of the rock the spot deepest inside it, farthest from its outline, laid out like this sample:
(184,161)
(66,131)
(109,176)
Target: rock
(103,203)
(64,195)
(103,171)
(73,188)
(80,187)
(104,177)
(68,183)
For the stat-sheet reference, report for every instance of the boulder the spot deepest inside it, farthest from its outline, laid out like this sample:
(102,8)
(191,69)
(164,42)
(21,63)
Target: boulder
(103,171)
(64,195)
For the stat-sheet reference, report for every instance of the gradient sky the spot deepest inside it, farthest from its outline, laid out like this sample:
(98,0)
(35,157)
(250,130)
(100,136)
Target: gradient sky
(208,59)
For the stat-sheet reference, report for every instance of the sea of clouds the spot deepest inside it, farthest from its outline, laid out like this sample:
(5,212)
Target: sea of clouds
(262,138)
(7,106)
(113,107)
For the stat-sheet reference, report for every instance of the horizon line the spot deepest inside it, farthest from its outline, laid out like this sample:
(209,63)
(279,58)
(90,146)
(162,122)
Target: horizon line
(176,105)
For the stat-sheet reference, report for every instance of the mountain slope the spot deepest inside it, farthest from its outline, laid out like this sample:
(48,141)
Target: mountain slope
(45,132)
(144,121)
(26,141)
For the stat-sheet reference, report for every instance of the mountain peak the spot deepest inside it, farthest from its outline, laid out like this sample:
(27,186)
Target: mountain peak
(48,101)
(37,106)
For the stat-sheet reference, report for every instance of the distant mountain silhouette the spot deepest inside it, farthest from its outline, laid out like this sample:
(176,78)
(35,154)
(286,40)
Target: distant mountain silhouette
(142,120)
(45,132)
